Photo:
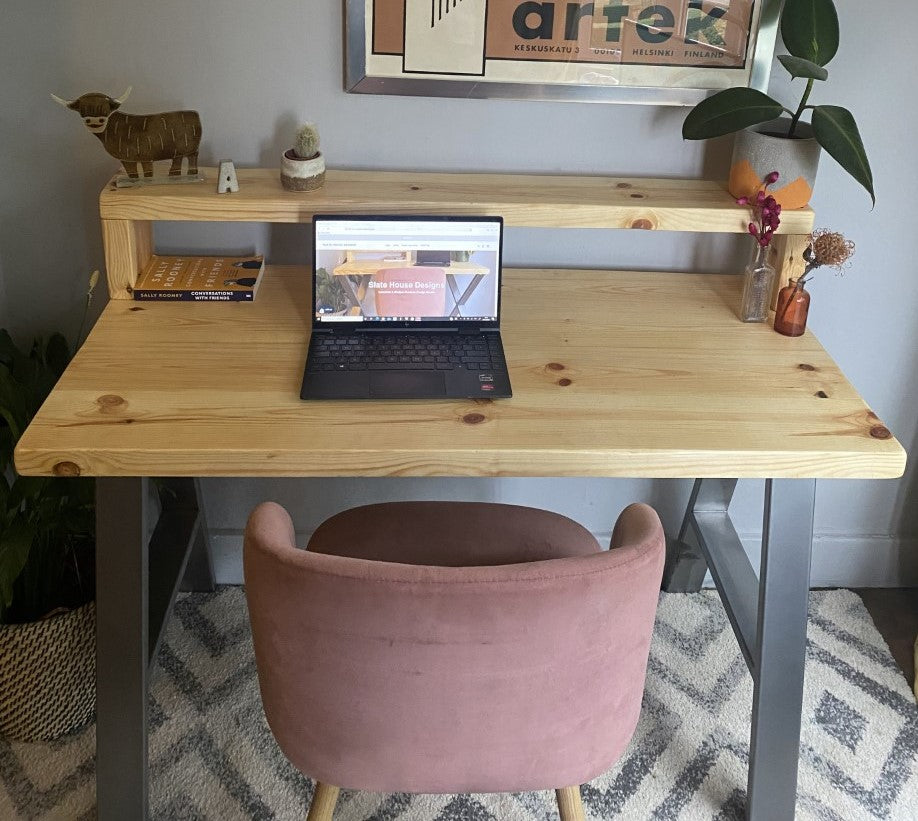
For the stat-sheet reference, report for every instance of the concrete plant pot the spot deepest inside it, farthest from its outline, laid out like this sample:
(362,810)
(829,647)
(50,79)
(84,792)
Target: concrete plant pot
(302,175)
(761,149)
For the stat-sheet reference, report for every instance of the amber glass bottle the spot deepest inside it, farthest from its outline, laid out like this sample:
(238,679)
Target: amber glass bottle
(792,309)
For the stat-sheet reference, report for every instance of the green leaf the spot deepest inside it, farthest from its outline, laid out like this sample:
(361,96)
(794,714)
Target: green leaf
(28,489)
(14,408)
(809,29)
(57,353)
(835,130)
(15,544)
(732,109)
(798,67)
(8,348)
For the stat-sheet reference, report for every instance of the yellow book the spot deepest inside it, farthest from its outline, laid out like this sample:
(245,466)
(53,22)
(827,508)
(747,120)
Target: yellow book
(206,279)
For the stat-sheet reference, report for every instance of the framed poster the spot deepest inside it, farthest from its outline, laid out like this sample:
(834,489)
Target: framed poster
(665,52)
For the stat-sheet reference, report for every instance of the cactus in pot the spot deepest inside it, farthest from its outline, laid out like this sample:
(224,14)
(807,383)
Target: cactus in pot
(303,166)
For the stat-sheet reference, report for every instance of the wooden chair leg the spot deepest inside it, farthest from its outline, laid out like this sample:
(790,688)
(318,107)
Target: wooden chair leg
(569,805)
(323,802)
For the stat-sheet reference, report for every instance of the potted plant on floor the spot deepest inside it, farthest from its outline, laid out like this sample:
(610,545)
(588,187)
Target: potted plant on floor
(765,139)
(303,166)
(47,556)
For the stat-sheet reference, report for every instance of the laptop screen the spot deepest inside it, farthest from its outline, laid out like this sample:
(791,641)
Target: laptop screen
(406,270)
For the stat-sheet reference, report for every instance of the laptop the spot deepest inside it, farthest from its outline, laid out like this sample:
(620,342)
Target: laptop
(406,307)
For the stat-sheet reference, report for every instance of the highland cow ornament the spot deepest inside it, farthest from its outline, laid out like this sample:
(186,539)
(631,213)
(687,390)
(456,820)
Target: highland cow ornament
(140,138)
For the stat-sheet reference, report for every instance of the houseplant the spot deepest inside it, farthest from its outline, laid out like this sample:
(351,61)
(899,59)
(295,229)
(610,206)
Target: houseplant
(809,29)
(303,166)
(47,613)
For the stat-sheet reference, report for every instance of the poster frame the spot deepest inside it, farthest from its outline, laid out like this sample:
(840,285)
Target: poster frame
(357,80)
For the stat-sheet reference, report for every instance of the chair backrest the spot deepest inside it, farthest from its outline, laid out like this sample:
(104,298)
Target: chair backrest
(397,677)
(415,291)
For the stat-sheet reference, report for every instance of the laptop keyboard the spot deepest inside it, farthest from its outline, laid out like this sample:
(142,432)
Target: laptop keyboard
(428,351)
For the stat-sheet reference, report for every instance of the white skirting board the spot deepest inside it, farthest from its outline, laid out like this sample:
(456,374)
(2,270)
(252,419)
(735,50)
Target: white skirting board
(838,561)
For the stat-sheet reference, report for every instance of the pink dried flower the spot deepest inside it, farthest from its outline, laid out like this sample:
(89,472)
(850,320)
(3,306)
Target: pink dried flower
(765,210)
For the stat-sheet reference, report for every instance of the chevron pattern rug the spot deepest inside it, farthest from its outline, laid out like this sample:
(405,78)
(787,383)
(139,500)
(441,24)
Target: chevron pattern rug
(213,757)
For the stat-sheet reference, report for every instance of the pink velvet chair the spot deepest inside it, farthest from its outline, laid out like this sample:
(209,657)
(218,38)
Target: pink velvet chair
(448,647)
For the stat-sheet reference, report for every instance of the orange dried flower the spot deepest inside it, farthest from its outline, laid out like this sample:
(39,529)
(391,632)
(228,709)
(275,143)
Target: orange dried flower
(826,248)
(830,248)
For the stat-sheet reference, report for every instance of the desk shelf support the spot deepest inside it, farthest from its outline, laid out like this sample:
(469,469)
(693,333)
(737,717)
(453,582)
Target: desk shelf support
(128,248)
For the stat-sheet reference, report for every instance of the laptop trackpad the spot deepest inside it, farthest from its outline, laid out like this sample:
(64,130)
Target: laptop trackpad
(407,384)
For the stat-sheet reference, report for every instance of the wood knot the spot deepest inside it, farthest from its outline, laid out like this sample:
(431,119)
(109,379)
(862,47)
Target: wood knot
(880,432)
(110,400)
(637,196)
(822,394)
(473,418)
(555,366)
(872,415)
(804,367)
(623,185)
(415,187)
(643,224)
(135,308)
(66,469)
(565,382)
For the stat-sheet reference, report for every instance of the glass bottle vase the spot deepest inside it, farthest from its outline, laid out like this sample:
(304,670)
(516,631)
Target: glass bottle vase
(792,309)
(758,282)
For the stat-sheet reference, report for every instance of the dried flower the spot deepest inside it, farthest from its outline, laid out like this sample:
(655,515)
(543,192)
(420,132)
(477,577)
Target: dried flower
(826,248)
(829,248)
(765,210)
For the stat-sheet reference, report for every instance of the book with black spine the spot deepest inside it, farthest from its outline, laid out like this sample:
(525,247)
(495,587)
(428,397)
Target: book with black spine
(200,278)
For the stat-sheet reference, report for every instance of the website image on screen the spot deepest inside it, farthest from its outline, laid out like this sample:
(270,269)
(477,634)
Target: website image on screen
(387,270)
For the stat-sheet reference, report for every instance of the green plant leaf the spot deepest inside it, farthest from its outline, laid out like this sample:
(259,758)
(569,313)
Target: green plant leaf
(28,489)
(15,544)
(835,130)
(798,67)
(732,109)
(809,29)
(8,349)
(57,354)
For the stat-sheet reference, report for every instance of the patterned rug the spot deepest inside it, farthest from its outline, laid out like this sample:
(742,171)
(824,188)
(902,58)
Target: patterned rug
(213,757)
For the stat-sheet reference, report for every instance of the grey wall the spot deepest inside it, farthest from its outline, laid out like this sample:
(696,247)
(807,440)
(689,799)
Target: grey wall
(255,70)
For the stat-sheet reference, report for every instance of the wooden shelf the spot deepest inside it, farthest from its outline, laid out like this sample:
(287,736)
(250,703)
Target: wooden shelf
(522,200)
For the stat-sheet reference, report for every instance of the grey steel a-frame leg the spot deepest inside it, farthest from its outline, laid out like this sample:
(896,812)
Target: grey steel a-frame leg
(768,615)
(134,597)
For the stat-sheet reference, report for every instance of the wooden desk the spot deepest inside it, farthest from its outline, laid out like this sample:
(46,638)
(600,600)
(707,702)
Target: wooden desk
(614,374)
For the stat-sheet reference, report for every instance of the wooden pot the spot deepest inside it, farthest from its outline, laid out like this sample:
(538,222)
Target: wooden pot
(48,675)
(759,150)
(302,175)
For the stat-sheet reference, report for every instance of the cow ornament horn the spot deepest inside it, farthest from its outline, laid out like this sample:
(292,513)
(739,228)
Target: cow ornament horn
(140,138)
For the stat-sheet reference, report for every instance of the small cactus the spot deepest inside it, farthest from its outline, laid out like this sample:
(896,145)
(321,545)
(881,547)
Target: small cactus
(306,144)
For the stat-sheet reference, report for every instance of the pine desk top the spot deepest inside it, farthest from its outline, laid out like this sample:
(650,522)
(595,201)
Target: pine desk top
(614,374)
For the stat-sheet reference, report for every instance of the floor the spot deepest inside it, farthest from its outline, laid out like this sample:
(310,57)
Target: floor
(895,613)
